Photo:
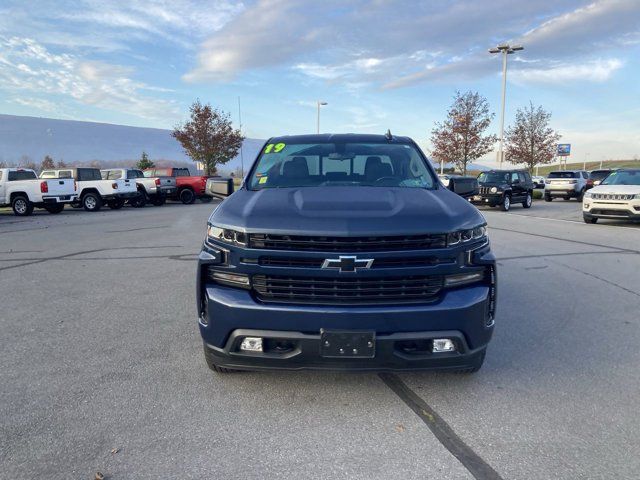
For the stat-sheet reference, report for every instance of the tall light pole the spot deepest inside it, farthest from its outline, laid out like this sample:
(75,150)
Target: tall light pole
(318,123)
(584,166)
(505,49)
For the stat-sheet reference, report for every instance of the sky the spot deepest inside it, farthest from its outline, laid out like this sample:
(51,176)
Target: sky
(379,64)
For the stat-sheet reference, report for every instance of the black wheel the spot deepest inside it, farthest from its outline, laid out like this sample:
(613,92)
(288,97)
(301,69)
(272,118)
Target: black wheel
(589,219)
(187,196)
(21,206)
(139,201)
(566,199)
(475,367)
(580,196)
(506,203)
(116,204)
(206,199)
(547,197)
(91,202)
(527,201)
(158,201)
(57,208)
(215,367)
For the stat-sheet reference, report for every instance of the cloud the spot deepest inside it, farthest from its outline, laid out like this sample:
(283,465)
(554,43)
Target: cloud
(567,73)
(384,43)
(110,26)
(28,67)
(37,103)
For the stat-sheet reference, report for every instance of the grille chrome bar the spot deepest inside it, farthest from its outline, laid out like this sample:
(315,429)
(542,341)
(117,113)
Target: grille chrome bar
(346,244)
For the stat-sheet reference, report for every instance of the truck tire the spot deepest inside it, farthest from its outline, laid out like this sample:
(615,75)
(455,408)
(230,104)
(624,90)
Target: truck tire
(116,204)
(589,219)
(547,197)
(187,196)
(159,200)
(506,203)
(206,199)
(476,366)
(215,367)
(580,196)
(21,206)
(527,201)
(138,202)
(91,202)
(57,208)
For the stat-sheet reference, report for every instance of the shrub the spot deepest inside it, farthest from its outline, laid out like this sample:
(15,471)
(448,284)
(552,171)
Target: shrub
(537,194)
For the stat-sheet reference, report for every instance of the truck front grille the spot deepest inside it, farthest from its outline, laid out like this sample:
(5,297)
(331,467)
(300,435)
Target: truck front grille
(346,244)
(341,291)
(485,190)
(611,196)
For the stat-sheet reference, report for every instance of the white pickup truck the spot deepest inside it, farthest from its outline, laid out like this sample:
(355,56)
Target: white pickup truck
(152,189)
(93,191)
(21,189)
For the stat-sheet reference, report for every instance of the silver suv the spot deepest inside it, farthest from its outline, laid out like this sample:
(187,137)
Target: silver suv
(566,184)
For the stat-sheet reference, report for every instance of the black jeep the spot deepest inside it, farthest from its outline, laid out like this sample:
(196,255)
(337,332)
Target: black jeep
(504,188)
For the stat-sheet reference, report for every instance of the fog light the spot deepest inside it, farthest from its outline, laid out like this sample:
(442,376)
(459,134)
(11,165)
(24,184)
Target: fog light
(443,345)
(251,344)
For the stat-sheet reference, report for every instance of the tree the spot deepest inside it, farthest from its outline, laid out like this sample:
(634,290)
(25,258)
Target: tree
(460,138)
(144,162)
(47,163)
(26,162)
(61,164)
(531,140)
(208,137)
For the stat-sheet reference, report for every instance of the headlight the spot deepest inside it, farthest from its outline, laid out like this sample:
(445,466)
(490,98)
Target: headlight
(464,236)
(587,195)
(494,190)
(232,237)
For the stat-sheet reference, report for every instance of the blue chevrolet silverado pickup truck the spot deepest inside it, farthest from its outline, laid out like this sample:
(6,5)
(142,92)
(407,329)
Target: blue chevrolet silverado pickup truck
(345,252)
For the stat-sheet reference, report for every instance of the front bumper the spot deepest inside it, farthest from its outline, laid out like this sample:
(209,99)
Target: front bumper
(461,314)
(621,210)
(491,199)
(305,353)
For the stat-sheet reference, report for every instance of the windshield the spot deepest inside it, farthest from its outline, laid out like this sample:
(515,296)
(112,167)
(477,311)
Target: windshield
(340,164)
(563,175)
(494,177)
(623,177)
(599,174)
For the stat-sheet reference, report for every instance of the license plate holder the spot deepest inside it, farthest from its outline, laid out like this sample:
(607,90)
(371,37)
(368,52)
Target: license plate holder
(345,343)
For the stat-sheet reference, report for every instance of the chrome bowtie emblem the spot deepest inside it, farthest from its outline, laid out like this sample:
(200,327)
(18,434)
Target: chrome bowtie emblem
(347,264)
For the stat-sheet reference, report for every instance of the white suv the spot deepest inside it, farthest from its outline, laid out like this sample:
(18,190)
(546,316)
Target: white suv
(617,197)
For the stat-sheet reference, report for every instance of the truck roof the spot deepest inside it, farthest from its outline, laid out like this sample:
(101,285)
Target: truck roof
(340,138)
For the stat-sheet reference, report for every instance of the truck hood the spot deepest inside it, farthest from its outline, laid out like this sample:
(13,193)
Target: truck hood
(346,211)
(616,189)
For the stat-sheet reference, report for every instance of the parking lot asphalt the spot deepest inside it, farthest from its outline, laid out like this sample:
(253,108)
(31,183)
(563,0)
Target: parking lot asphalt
(102,365)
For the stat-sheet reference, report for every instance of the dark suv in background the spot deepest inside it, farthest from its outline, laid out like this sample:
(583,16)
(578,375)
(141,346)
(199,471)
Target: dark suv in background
(504,188)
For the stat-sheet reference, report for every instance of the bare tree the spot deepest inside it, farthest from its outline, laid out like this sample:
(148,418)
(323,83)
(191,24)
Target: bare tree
(47,163)
(25,161)
(531,140)
(208,137)
(61,164)
(460,138)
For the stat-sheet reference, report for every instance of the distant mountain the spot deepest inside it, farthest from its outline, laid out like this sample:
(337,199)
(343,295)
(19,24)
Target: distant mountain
(86,142)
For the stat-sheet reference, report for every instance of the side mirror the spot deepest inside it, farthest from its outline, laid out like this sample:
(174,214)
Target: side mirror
(219,187)
(464,186)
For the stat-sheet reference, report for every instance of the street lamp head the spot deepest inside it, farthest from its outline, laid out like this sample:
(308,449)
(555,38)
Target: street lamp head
(322,103)
(494,50)
(517,48)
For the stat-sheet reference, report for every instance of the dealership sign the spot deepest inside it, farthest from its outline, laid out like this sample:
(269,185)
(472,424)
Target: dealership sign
(564,149)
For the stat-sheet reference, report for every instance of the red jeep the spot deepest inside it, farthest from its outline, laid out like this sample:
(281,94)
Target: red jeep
(189,187)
